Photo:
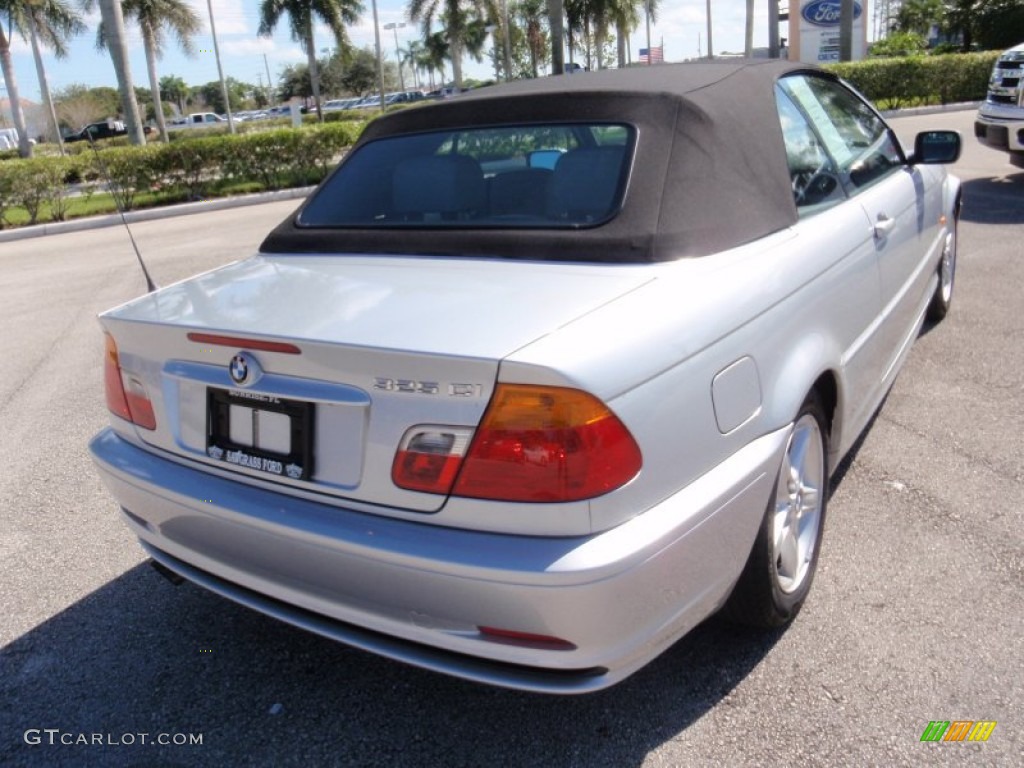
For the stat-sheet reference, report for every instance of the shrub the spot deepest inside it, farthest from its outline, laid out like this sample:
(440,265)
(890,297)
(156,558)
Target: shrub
(129,170)
(943,79)
(32,182)
(268,160)
(6,200)
(190,166)
(267,157)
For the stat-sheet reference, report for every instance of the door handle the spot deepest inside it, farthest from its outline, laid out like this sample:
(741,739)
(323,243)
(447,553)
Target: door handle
(883,226)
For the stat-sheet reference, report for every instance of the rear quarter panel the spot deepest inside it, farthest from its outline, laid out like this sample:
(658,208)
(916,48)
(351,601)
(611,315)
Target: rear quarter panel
(800,303)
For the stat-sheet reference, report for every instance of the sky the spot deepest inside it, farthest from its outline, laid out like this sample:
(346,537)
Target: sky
(681,25)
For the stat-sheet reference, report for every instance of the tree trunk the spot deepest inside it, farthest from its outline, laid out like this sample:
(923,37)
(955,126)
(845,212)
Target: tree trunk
(455,51)
(44,86)
(599,38)
(17,115)
(154,82)
(556,11)
(314,71)
(620,41)
(117,44)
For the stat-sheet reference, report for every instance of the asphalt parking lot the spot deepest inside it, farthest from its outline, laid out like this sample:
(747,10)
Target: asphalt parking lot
(915,615)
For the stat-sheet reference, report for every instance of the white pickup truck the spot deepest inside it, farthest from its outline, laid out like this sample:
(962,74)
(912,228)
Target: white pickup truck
(197,119)
(1000,120)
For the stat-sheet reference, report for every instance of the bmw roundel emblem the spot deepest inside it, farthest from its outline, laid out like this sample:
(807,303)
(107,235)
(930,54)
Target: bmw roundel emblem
(239,368)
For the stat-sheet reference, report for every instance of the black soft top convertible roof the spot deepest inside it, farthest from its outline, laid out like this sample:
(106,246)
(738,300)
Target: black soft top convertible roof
(709,172)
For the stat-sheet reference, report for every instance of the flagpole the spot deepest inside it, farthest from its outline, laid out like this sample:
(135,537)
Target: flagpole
(647,9)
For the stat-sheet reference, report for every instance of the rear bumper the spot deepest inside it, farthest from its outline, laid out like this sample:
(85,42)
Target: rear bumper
(418,592)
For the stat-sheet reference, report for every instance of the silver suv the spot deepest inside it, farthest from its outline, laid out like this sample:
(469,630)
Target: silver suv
(1000,121)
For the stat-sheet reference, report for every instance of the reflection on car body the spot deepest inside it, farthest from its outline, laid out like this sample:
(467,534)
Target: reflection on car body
(554,370)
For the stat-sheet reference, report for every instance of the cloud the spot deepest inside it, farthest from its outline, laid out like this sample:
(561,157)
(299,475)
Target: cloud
(231,17)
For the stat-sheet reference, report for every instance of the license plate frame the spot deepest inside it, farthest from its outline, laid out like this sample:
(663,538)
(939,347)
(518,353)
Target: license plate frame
(296,463)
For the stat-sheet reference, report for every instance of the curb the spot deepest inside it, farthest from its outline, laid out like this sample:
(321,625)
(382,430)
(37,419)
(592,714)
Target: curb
(150,214)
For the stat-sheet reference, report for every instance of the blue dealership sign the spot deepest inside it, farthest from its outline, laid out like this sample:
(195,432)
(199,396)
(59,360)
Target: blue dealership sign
(825,13)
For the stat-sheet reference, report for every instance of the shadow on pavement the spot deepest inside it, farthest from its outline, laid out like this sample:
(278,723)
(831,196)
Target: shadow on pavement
(141,656)
(998,200)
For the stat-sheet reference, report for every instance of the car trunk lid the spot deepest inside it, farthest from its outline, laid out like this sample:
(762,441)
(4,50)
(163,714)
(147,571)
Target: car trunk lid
(341,356)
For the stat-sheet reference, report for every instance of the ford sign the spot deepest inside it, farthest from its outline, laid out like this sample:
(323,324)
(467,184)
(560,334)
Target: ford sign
(825,13)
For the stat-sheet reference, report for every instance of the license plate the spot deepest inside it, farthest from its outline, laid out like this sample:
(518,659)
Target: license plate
(261,432)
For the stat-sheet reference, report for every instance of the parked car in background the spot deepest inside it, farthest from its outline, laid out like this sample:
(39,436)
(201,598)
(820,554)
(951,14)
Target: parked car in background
(104,129)
(336,105)
(198,120)
(541,377)
(404,97)
(1000,120)
(282,110)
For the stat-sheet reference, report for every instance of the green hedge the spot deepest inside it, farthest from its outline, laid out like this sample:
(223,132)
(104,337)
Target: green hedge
(189,170)
(31,183)
(919,80)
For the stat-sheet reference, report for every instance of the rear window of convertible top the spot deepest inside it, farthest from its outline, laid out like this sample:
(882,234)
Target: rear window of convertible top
(547,176)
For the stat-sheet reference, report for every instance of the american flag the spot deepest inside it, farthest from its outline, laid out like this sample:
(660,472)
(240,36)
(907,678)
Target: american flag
(653,56)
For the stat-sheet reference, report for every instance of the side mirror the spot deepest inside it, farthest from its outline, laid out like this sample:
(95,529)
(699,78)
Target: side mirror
(936,147)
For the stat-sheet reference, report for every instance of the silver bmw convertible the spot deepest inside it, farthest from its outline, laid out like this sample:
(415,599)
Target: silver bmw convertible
(543,376)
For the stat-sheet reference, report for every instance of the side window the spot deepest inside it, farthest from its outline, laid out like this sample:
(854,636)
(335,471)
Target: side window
(860,143)
(811,170)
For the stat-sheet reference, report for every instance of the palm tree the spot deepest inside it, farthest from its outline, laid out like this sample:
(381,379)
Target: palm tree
(601,13)
(531,14)
(51,23)
(410,57)
(153,17)
(46,22)
(626,15)
(116,42)
(435,53)
(334,13)
(11,81)
(173,88)
(456,16)
(577,23)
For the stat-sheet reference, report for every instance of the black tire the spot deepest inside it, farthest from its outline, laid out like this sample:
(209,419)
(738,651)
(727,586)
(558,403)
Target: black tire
(766,595)
(943,296)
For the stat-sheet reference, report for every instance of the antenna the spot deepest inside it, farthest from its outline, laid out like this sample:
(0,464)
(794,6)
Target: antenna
(150,285)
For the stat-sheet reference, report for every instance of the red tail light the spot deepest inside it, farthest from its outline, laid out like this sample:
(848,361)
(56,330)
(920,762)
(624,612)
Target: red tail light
(131,403)
(547,444)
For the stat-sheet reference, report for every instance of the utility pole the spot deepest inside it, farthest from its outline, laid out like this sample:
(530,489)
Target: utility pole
(395,26)
(711,47)
(220,69)
(270,81)
(380,63)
